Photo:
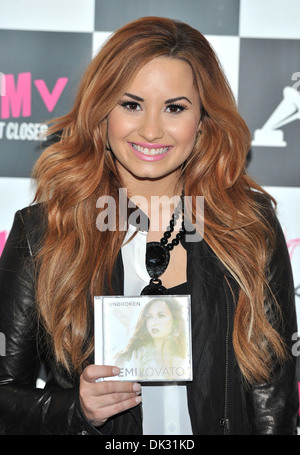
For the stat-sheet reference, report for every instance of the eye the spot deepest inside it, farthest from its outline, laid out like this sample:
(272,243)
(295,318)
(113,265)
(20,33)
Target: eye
(161,315)
(176,108)
(130,105)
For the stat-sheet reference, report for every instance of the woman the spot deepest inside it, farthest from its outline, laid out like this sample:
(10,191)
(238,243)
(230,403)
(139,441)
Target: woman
(154,114)
(159,340)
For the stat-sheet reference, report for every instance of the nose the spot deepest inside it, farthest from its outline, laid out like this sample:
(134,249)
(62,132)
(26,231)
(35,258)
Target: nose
(155,322)
(152,322)
(151,127)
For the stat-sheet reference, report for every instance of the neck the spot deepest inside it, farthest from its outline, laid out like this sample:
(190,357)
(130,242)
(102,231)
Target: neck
(154,196)
(167,185)
(158,344)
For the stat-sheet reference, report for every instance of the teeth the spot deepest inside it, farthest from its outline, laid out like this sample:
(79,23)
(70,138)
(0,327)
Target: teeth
(147,151)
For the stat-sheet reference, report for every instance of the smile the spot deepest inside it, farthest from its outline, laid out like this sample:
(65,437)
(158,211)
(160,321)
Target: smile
(150,151)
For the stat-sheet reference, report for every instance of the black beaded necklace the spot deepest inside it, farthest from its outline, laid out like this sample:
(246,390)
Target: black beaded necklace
(158,254)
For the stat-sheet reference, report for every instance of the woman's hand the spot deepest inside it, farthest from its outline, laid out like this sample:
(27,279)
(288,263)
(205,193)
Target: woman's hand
(101,400)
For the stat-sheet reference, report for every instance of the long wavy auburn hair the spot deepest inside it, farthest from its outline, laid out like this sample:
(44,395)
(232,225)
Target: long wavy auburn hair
(76,260)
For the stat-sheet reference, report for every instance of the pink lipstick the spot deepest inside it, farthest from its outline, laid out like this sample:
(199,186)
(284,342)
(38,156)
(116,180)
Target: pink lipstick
(149,152)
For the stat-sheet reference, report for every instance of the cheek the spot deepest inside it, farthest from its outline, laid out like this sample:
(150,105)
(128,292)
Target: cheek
(168,325)
(119,127)
(185,134)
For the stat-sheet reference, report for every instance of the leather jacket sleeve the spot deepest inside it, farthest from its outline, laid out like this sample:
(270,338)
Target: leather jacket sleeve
(273,407)
(25,409)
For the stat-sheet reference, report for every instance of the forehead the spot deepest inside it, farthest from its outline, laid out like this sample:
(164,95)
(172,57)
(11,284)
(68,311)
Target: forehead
(164,74)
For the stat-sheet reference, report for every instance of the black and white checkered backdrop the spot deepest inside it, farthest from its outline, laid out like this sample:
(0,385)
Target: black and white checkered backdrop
(46,45)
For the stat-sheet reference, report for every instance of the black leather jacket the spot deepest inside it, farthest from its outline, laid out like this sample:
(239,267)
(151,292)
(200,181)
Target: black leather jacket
(217,399)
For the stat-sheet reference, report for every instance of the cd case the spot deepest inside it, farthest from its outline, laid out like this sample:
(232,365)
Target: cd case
(147,337)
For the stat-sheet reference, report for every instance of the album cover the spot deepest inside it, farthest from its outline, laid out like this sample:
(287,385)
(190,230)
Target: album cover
(147,337)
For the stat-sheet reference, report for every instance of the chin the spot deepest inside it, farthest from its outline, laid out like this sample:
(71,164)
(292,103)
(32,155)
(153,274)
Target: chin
(147,176)
(153,175)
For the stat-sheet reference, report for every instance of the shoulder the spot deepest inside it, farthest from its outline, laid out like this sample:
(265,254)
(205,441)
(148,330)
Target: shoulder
(32,215)
(24,239)
(31,225)
(264,203)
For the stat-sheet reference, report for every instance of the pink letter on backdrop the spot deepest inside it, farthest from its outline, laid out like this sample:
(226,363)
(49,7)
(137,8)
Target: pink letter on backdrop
(50,99)
(17,98)
(3,236)
(292,244)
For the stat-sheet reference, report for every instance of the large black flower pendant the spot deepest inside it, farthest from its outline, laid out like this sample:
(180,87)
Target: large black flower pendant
(157,259)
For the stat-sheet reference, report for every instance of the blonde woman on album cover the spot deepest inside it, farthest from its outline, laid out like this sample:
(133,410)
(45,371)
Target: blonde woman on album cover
(154,114)
(159,340)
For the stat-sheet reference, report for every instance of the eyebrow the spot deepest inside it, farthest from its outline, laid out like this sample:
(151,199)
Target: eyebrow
(171,100)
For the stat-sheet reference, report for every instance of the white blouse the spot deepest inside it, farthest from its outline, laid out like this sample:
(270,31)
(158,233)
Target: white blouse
(165,409)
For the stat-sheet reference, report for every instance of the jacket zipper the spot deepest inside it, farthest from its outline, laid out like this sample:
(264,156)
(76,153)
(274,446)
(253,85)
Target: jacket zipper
(225,421)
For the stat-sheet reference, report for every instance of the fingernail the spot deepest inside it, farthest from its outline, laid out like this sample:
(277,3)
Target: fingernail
(138,399)
(137,387)
(116,370)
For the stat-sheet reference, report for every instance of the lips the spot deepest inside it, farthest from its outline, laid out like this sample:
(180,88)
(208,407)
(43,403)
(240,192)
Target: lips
(150,152)
(154,330)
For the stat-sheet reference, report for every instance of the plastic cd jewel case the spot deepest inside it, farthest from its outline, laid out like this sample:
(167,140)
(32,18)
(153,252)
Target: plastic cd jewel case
(147,337)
